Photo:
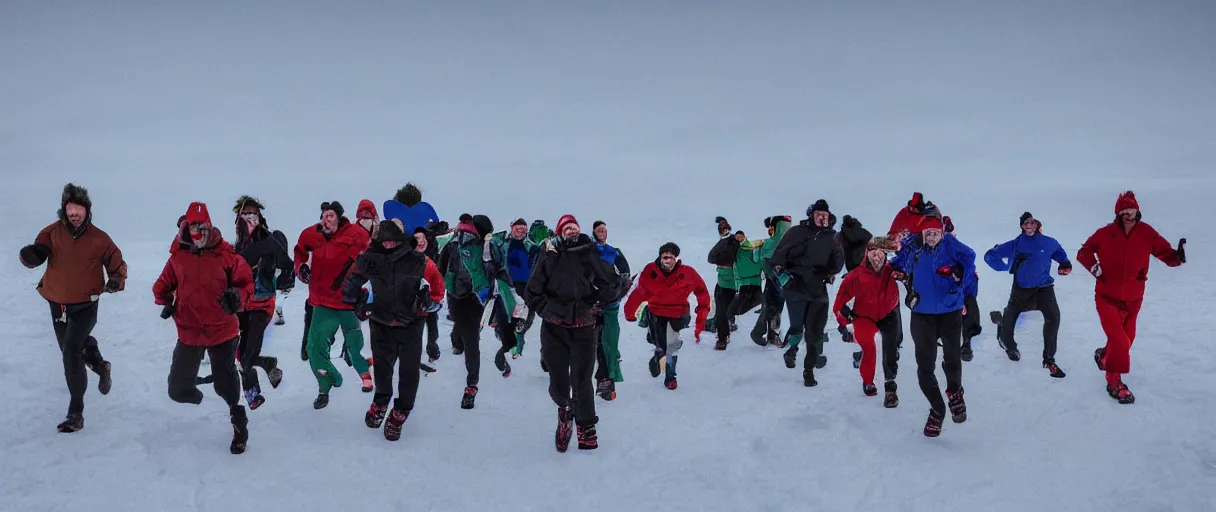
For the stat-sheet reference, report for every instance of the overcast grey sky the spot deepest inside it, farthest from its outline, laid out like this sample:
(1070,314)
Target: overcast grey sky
(775,103)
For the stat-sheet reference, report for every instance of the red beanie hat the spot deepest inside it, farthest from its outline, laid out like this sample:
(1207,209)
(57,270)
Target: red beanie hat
(197,214)
(931,223)
(564,221)
(1126,201)
(366,210)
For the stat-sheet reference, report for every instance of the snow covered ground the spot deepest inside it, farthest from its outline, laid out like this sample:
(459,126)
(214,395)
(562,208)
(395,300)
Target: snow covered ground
(654,119)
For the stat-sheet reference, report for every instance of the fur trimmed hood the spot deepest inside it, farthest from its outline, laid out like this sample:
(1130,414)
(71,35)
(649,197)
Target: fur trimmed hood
(882,242)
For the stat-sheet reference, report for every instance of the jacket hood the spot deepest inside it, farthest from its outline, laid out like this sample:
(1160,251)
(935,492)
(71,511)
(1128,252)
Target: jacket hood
(215,241)
(76,195)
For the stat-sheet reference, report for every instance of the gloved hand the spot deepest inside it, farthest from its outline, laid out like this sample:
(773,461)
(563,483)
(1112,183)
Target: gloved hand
(898,276)
(700,326)
(1064,269)
(34,254)
(285,282)
(1181,250)
(112,286)
(850,222)
(845,334)
(230,301)
(168,311)
(363,311)
(1096,270)
(912,299)
(305,273)
(830,279)
(947,225)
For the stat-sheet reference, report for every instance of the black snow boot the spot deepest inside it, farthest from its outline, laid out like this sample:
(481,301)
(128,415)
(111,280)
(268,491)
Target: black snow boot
(500,362)
(103,372)
(966,353)
(1099,355)
(808,378)
(565,428)
(240,429)
(587,438)
(1053,369)
(321,401)
(74,423)
(958,408)
(891,399)
(933,427)
(470,395)
(375,415)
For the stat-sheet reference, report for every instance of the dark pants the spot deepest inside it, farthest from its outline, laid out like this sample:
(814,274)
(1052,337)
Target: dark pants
(927,330)
(971,320)
(665,333)
(466,334)
(771,305)
(1029,299)
(432,332)
(253,332)
(722,315)
(808,319)
(891,328)
(401,345)
(569,353)
(183,373)
(746,299)
(73,323)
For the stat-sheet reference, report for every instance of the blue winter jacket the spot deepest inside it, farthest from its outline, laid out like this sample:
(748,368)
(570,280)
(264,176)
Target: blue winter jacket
(519,261)
(1035,270)
(938,294)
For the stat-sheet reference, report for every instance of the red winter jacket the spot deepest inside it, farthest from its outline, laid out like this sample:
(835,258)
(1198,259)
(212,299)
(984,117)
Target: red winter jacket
(1124,258)
(332,259)
(876,293)
(667,294)
(193,281)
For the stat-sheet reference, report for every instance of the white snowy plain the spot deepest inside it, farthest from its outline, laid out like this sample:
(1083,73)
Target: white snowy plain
(654,119)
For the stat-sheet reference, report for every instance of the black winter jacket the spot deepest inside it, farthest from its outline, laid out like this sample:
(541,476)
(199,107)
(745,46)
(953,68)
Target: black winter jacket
(569,279)
(810,255)
(400,288)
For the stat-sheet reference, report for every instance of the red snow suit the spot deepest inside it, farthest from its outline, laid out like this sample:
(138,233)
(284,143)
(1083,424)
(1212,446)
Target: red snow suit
(876,296)
(332,259)
(666,295)
(193,281)
(1119,290)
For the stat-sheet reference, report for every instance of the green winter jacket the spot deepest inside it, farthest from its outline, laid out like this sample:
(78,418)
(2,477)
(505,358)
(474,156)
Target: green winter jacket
(747,265)
(770,246)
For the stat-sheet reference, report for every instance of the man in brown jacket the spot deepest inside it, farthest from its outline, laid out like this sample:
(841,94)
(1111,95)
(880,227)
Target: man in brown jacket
(76,252)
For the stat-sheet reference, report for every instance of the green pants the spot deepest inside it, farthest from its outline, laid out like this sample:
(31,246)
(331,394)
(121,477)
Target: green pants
(325,323)
(610,337)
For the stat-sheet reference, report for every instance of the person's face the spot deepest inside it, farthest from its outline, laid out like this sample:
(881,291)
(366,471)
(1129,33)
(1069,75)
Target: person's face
(601,233)
(199,233)
(249,214)
(518,231)
(877,257)
(821,218)
(329,221)
(390,244)
(740,237)
(667,261)
(1128,216)
(421,239)
(76,214)
(932,236)
(571,230)
(1030,226)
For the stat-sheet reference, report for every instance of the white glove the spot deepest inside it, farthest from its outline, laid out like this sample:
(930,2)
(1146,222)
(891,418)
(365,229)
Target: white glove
(1096,270)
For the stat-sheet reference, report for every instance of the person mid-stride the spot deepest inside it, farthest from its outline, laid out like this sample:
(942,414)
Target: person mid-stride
(569,286)
(332,245)
(406,289)
(76,252)
(202,287)
(1028,257)
(664,285)
(1117,255)
(937,269)
(875,310)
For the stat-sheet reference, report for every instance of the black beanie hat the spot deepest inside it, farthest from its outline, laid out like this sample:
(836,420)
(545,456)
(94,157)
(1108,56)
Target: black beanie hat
(819,206)
(1022,219)
(670,247)
(464,217)
(483,225)
(519,222)
(390,232)
(333,205)
(596,224)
